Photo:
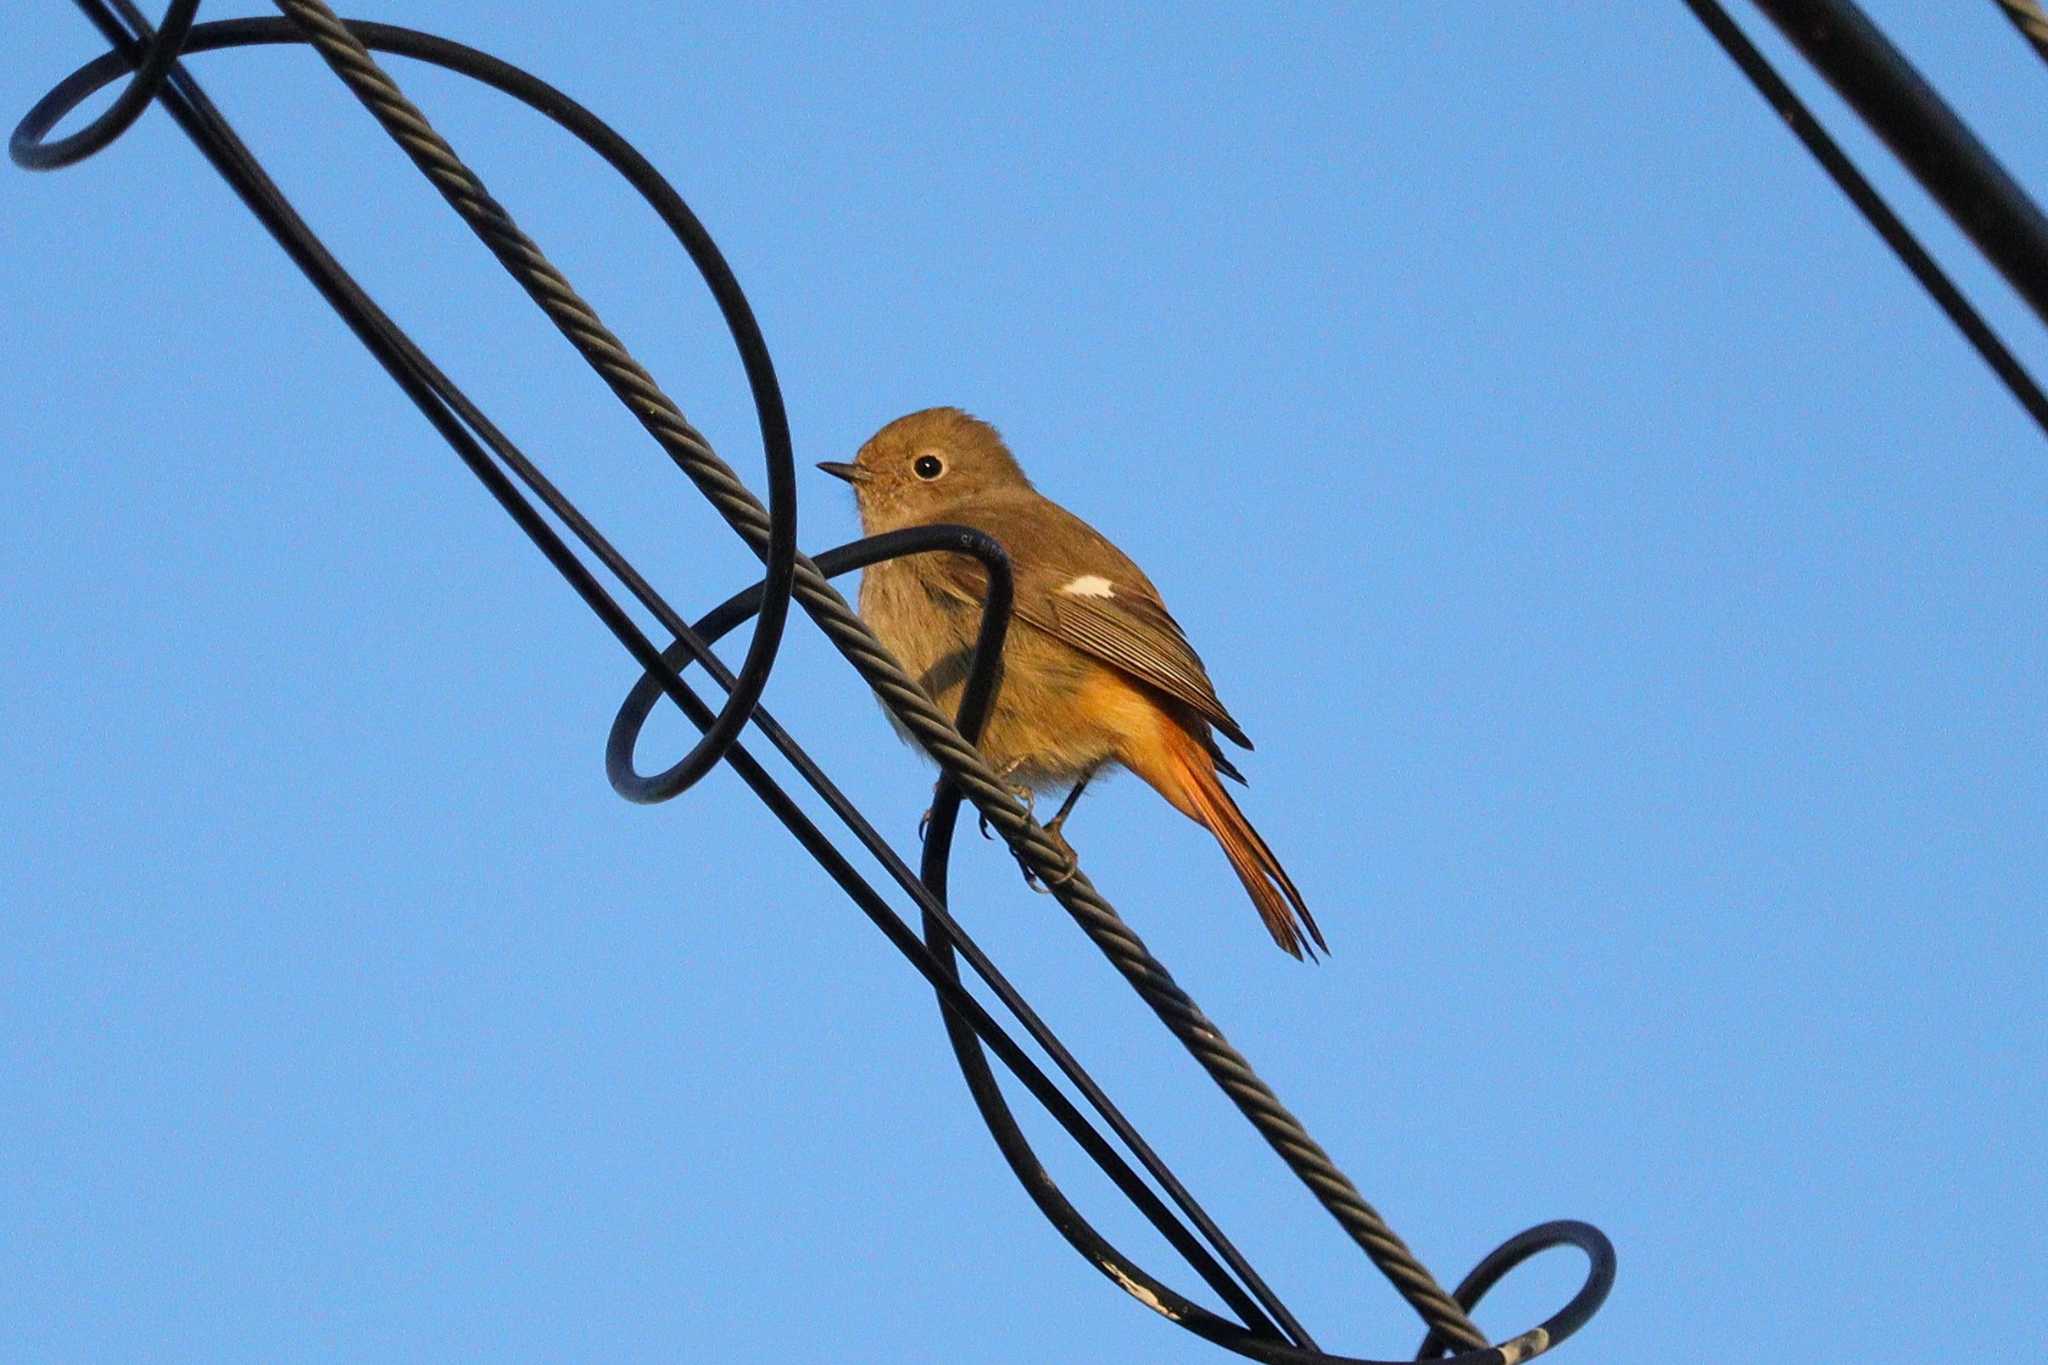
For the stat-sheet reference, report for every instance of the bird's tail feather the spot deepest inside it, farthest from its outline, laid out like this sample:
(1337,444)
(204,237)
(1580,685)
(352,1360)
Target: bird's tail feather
(1204,799)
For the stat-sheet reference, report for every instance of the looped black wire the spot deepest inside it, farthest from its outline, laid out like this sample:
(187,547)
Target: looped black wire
(27,146)
(1060,1212)
(966,1032)
(977,698)
(763,529)
(977,694)
(779,551)
(1522,1247)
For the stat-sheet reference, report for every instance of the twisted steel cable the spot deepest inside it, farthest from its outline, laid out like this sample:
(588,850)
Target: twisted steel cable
(2031,20)
(412,369)
(770,532)
(663,420)
(195,112)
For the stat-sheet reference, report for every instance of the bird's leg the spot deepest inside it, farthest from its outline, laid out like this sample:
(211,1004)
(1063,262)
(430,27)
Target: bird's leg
(1059,817)
(1024,794)
(1052,829)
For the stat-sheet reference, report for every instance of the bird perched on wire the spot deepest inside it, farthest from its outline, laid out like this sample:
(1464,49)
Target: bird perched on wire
(1096,673)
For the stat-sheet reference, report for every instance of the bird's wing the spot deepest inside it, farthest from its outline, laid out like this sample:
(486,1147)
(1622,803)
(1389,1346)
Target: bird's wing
(1133,631)
(1083,590)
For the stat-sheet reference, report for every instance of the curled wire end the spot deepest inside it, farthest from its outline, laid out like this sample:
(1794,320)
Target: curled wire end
(27,147)
(152,58)
(1512,1253)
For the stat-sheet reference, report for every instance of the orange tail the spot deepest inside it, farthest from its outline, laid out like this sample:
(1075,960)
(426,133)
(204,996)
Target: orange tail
(1184,773)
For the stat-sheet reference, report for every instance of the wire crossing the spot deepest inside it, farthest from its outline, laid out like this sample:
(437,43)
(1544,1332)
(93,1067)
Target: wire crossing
(1264,1329)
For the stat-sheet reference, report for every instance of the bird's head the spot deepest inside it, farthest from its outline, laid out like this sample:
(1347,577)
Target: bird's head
(916,467)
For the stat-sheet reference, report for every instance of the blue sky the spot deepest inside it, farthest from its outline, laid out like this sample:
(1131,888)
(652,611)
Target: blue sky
(1632,583)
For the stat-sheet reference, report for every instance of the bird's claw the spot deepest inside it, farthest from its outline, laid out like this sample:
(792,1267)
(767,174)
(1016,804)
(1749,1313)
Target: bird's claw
(924,825)
(924,822)
(1044,887)
(1023,794)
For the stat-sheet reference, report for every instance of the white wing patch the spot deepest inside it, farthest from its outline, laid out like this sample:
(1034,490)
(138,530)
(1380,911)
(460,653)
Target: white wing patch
(1088,585)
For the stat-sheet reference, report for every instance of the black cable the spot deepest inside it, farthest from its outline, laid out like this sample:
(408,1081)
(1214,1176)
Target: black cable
(378,93)
(152,66)
(943,933)
(1896,235)
(1925,134)
(236,33)
(437,396)
(764,529)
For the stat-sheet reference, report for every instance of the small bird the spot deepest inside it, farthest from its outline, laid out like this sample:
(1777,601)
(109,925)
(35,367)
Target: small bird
(1096,673)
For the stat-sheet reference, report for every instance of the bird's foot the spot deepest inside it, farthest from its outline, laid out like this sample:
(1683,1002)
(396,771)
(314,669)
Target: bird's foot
(1022,793)
(1044,886)
(924,822)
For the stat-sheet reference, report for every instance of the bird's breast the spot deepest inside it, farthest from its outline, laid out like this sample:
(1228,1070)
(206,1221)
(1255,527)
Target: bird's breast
(922,626)
(1050,722)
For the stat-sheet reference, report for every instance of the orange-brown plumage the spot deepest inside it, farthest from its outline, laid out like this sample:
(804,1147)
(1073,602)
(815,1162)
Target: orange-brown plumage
(1096,672)
(1176,762)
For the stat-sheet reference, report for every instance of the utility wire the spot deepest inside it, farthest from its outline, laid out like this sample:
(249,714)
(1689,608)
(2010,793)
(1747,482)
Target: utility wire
(1928,137)
(409,357)
(770,531)
(1865,197)
(391,344)
(663,420)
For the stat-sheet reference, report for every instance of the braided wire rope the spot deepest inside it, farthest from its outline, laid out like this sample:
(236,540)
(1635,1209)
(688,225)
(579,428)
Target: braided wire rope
(236,32)
(943,933)
(413,370)
(961,761)
(770,532)
(2031,20)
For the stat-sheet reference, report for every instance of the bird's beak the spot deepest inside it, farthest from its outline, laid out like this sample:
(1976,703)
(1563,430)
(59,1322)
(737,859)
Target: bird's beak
(852,473)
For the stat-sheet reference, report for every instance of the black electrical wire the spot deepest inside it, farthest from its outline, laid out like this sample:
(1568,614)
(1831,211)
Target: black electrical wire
(942,933)
(770,532)
(152,65)
(976,700)
(1925,134)
(238,32)
(379,94)
(670,782)
(438,397)
(1865,197)
(235,33)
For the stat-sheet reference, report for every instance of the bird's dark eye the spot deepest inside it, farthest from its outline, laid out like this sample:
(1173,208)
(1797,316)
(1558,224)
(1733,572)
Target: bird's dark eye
(928,467)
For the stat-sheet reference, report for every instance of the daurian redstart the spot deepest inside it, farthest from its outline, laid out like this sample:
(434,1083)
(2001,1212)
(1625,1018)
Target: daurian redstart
(1095,672)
